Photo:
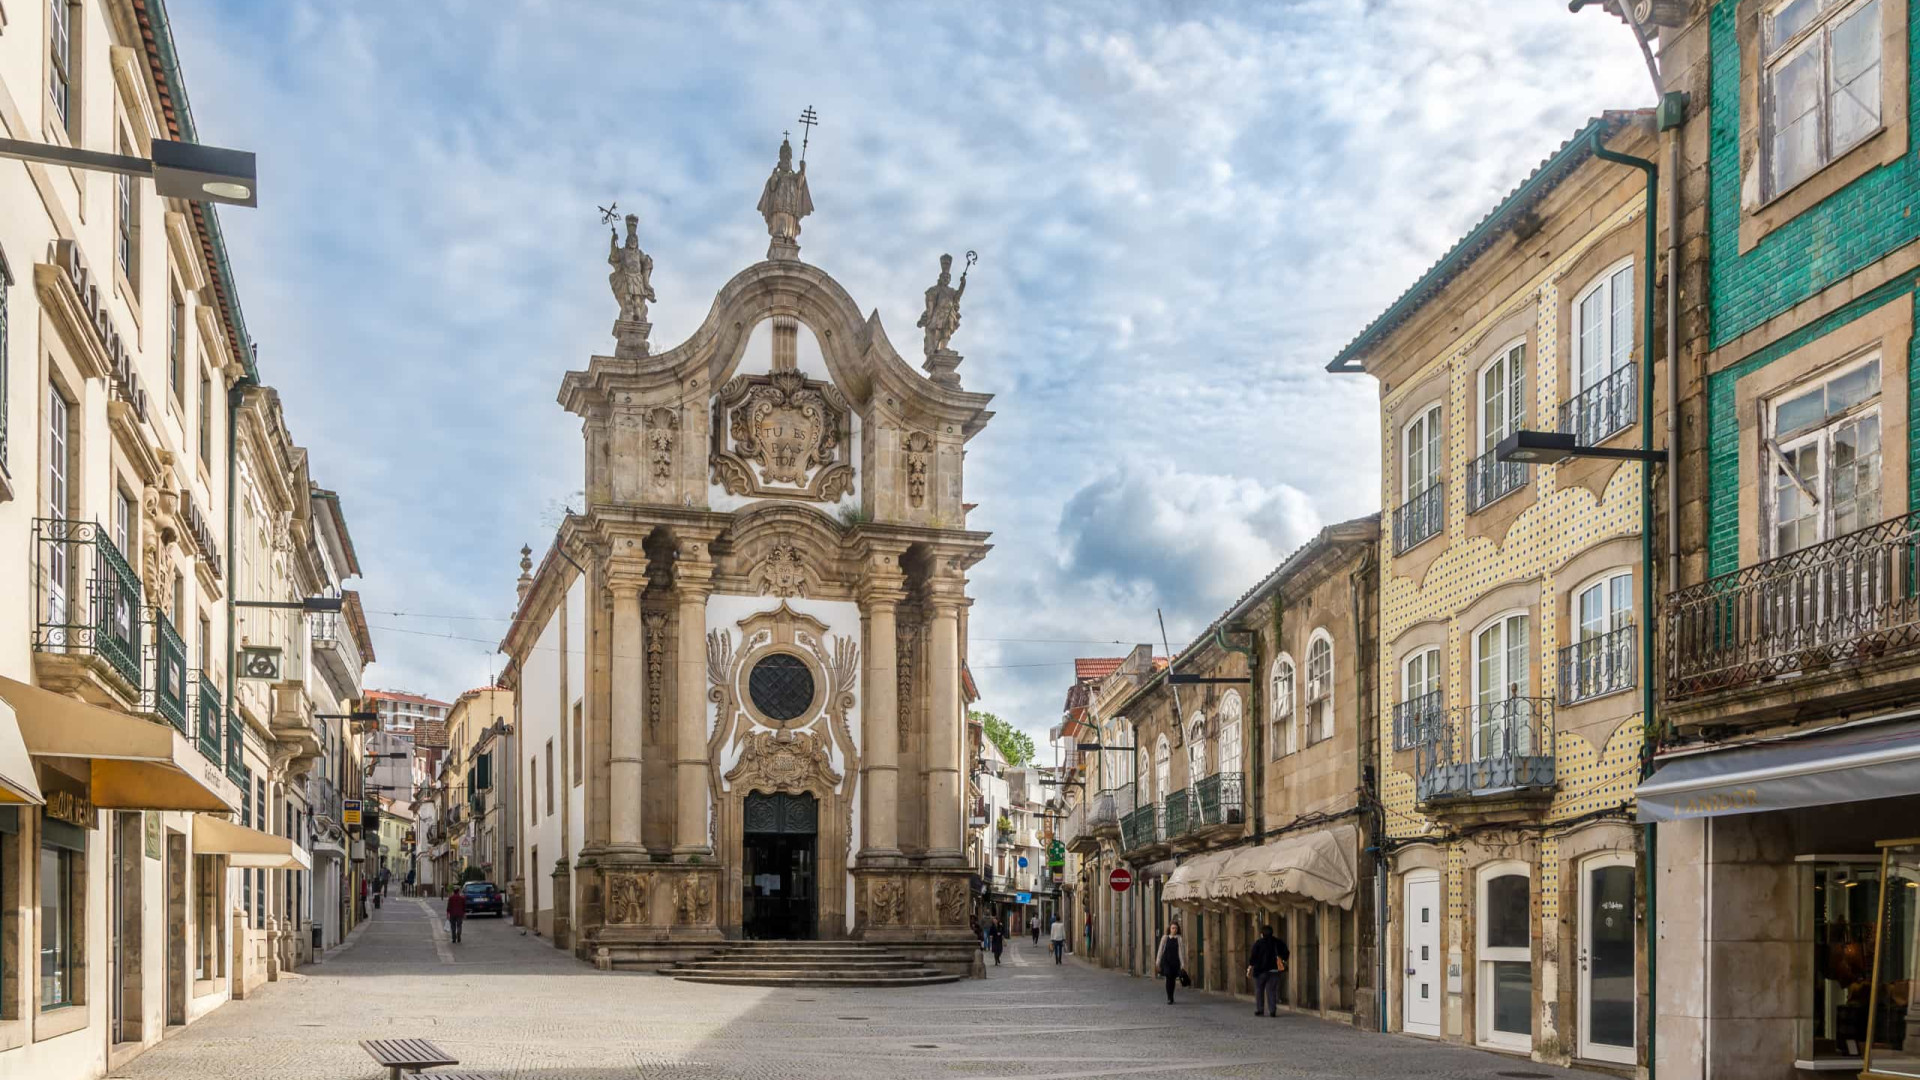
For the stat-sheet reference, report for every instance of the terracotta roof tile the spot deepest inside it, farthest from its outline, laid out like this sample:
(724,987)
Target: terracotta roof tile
(1096,667)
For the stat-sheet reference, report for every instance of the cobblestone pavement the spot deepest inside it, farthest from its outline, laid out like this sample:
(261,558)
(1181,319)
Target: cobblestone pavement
(508,1004)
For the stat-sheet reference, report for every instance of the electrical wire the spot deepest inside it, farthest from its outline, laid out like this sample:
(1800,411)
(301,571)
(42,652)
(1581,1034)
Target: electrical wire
(506,619)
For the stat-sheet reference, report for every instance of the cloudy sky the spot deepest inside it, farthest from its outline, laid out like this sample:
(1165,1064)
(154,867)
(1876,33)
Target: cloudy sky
(1182,211)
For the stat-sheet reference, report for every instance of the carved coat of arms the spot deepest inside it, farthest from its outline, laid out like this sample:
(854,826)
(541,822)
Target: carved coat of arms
(782,434)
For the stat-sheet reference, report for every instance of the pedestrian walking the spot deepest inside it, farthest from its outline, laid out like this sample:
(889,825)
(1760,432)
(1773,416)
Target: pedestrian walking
(1169,958)
(1033,924)
(1059,936)
(1265,963)
(997,939)
(456,912)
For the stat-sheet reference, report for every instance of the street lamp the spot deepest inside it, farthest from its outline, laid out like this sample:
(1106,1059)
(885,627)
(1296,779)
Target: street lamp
(312,605)
(191,171)
(1554,447)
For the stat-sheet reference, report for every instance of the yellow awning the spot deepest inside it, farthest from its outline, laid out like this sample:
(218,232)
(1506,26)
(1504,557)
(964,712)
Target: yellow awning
(136,764)
(17,784)
(246,847)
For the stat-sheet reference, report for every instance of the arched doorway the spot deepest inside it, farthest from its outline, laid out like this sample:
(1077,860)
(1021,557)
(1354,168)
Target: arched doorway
(779,878)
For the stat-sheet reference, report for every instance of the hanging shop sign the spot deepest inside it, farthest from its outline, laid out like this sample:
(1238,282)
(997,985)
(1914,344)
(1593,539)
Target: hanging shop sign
(350,813)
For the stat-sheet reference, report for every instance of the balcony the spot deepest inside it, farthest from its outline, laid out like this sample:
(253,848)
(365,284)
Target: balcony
(168,691)
(1604,409)
(1505,753)
(87,606)
(1109,807)
(1419,721)
(1490,479)
(1833,606)
(335,648)
(236,747)
(1599,665)
(1222,800)
(1180,815)
(1419,518)
(208,716)
(1074,833)
(1144,826)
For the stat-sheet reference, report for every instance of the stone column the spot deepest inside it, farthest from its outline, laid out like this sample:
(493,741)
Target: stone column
(693,575)
(626,669)
(943,734)
(880,728)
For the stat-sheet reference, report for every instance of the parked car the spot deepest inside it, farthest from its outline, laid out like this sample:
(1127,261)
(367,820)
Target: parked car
(483,897)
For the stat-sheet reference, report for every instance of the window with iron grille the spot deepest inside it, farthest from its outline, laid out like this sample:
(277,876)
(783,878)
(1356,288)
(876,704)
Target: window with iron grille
(781,686)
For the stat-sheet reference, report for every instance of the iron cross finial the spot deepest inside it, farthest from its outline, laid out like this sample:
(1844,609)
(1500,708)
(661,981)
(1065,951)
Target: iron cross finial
(808,118)
(609,213)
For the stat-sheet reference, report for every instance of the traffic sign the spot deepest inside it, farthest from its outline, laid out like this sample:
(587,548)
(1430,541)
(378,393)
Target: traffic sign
(1023,862)
(1121,879)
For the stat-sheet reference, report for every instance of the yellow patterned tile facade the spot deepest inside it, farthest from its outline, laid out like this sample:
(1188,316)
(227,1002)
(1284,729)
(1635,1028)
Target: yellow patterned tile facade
(1559,525)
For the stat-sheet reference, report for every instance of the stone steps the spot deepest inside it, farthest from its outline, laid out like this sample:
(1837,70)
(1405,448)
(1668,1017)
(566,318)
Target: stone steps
(806,963)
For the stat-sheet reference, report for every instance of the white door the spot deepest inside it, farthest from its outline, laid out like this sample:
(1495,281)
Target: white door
(1420,1001)
(1606,959)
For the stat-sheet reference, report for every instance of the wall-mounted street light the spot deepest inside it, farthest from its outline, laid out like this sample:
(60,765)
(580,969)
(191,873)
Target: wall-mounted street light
(1554,447)
(208,174)
(312,605)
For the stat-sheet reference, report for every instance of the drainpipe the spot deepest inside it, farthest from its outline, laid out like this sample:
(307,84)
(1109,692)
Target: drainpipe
(1648,728)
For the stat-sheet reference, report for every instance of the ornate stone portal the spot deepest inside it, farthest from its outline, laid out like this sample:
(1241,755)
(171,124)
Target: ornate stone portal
(780,617)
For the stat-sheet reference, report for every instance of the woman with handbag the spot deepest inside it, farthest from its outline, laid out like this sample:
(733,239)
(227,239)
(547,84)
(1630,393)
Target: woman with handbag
(1169,958)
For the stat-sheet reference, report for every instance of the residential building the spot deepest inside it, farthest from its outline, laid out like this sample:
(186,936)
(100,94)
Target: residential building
(1789,759)
(1511,602)
(476,785)
(340,645)
(402,712)
(771,572)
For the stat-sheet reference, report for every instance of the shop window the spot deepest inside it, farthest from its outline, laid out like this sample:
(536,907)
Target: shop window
(1839,904)
(1281,722)
(10,914)
(63,913)
(1505,990)
(208,956)
(1820,85)
(1823,451)
(1894,1035)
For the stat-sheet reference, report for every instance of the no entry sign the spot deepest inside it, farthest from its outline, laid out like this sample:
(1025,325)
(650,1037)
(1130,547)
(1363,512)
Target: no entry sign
(1121,880)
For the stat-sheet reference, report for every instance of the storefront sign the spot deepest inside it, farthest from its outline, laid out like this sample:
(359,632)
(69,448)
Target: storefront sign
(1121,879)
(75,810)
(1023,898)
(1729,800)
(350,813)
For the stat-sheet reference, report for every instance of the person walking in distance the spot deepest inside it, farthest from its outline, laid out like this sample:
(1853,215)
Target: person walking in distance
(456,912)
(1265,962)
(1169,958)
(997,938)
(1059,936)
(1033,924)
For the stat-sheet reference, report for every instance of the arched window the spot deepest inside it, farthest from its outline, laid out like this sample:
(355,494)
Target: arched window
(1162,768)
(1196,748)
(1230,733)
(1280,715)
(1319,719)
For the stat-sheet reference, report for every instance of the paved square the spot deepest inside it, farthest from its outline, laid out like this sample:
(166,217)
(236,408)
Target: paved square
(507,1004)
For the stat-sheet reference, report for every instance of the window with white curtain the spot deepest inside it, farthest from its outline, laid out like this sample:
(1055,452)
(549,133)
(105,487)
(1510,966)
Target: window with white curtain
(1230,733)
(1196,749)
(1162,768)
(1280,713)
(1319,719)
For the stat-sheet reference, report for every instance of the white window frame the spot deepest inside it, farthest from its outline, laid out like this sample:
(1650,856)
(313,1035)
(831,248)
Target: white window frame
(1485,956)
(1613,616)
(1280,718)
(1823,437)
(1816,35)
(1162,768)
(1320,703)
(1429,660)
(1432,442)
(1513,355)
(1603,281)
(1197,756)
(1231,713)
(62,53)
(1479,698)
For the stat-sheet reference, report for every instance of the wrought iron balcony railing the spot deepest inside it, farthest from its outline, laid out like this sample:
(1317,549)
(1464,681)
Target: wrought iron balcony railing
(1599,665)
(1602,410)
(1222,799)
(333,636)
(1180,813)
(1500,747)
(1489,478)
(208,717)
(1850,599)
(1103,814)
(1146,825)
(168,688)
(87,597)
(236,747)
(1419,518)
(1420,720)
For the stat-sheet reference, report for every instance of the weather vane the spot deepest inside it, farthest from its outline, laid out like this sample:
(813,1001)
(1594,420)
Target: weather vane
(808,118)
(608,214)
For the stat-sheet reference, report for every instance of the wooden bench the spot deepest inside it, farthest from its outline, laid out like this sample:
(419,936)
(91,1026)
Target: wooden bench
(401,1056)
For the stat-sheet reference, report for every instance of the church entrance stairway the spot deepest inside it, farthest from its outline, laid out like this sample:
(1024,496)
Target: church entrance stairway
(807,963)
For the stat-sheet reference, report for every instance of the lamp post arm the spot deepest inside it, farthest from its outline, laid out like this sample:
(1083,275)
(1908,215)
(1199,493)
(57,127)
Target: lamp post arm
(55,154)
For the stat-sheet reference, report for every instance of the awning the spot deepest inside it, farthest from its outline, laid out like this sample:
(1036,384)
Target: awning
(17,784)
(246,847)
(136,764)
(1189,880)
(1319,865)
(1867,761)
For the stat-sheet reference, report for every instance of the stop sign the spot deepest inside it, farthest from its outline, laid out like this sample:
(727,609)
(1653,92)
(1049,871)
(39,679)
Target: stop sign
(1121,880)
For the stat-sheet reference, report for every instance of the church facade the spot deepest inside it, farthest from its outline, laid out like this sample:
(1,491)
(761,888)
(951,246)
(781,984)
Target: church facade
(739,667)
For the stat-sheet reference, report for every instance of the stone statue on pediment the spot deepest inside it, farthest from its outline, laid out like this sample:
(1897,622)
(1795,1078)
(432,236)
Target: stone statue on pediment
(632,276)
(942,317)
(783,202)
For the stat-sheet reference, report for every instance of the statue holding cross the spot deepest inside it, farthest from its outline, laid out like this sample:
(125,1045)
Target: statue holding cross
(785,198)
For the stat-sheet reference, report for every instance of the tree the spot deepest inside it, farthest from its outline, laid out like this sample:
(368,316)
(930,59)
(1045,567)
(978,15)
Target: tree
(1014,745)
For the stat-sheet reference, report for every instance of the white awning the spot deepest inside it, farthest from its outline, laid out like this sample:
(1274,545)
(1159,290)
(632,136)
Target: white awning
(17,783)
(1189,879)
(1855,763)
(1319,865)
(246,847)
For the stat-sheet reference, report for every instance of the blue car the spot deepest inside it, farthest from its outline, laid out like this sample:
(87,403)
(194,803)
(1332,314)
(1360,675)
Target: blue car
(482,896)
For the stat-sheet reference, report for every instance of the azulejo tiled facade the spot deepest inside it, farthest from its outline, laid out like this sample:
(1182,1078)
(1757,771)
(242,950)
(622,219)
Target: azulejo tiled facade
(739,668)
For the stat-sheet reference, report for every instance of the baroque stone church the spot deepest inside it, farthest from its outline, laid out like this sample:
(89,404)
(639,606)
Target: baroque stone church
(740,667)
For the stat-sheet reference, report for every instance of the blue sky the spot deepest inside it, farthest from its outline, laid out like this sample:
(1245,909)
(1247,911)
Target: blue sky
(1182,210)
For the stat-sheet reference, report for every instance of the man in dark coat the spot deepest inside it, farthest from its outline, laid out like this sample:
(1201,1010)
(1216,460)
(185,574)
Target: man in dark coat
(1265,961)
(456,911)
(997,937)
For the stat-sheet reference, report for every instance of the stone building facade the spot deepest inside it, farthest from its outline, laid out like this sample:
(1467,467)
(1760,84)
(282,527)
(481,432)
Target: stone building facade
(752,635)
(1510,600)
